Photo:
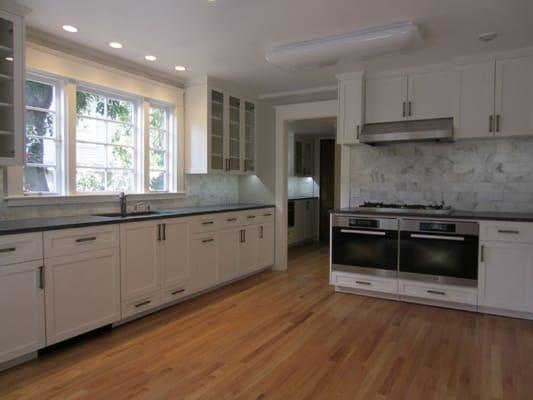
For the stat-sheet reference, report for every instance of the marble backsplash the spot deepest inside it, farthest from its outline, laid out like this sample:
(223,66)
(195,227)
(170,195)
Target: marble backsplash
(484,175)
(202,190)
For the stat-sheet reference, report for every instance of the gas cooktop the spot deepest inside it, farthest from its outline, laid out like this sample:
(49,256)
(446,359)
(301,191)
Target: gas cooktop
(405,208)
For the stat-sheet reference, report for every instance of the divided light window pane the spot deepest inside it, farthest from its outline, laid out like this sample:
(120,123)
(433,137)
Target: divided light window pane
(42,140)
(159,149)
(105,144)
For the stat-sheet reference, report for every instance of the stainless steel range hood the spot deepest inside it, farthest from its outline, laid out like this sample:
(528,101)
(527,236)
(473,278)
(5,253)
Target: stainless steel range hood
(438,129)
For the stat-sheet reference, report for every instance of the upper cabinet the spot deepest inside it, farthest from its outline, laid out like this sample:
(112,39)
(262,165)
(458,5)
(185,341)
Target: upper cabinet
(496,98)
(11,88)
(304,156)
(350,113)
(220,131)
(415,96)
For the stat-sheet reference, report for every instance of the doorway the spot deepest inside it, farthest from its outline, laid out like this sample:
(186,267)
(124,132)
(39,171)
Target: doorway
(327,185)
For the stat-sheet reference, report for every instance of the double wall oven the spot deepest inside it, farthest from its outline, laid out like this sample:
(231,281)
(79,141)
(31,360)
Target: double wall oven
(416,249)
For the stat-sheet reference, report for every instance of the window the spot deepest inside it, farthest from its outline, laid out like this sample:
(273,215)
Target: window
(43,145)
(106,143)
(159,149)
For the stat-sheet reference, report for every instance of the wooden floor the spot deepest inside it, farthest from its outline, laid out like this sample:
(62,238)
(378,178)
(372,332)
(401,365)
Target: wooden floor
(288,335)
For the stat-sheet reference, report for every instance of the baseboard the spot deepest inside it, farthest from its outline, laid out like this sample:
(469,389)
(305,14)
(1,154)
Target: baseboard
(436,303)
(19,360)
(505,313)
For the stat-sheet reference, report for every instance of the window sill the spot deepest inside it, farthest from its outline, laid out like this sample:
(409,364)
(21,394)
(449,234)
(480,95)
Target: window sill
(48,200)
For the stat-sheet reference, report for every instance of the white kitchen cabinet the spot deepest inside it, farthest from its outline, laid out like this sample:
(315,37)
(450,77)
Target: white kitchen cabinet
(21,309)
(385,99)
(299,220)
(205,260)
(350,114)
(266,245)
(229,253)
(506,276)
(304,156)
(476,100)
(12,72)
(311,219)
(432,94)
(82,293)
(140,259)
(175,250)
(514,97)
(249,253)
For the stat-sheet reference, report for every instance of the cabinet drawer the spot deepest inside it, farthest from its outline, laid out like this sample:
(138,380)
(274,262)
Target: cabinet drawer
(169,295)
(365,282)
(206,223)
(455,294)
(511,232)
(266,215)
(230,220)
(74,241)
(132,308)
(21,248)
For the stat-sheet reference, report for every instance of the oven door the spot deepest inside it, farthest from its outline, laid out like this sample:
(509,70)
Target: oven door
(442,258)
(368,251)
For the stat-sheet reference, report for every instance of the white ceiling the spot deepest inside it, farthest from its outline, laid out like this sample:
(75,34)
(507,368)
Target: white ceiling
(227,39)
(317,126)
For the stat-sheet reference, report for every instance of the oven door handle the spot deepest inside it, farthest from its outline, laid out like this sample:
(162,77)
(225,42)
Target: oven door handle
(437,237)
(373,233)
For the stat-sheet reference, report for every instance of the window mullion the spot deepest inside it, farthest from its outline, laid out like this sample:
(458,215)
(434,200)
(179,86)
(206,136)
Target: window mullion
(70,136)
(145,159)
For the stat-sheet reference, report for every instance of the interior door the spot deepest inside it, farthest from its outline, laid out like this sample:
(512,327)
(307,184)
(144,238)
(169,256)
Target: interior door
(432,95)
(175,253)
(385,99)
(514,97)
(327,185)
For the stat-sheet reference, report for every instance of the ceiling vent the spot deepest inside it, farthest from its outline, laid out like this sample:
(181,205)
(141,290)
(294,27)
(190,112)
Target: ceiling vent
(331,49)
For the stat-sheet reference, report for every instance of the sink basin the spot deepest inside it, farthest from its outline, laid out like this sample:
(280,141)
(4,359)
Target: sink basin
(129,214)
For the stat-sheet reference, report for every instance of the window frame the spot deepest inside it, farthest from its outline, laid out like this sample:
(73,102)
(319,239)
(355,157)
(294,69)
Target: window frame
(171,144)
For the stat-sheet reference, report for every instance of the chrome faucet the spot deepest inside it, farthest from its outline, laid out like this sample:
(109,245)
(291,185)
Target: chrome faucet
(123,203)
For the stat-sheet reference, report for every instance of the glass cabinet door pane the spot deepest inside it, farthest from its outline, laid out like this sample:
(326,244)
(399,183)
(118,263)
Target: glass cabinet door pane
(249,137)
(217,130)
(234,134)
(7,88)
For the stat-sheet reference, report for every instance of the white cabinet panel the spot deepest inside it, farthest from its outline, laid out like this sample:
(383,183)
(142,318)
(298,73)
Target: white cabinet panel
(350,113)
(140,263)
(438,292)
(365,282)
(75,241)
(266,245)
(503,231)
(506,276)
(249,249)
(21,310)
(311,219)
(82,293)
(514,97)
(229,253)
(432,95)
(141,305)
(21,248)
(385,99)
(476,100)
(175,253)
(204,260)
(299,220)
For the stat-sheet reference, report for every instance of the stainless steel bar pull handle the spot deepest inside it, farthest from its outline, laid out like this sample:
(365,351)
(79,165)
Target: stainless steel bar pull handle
(509,231)
(403,109)
(144,303)
(208,240)
(438,237)
(482,254)
(268,215)
(251,216)
(497,122)
(261,232)
(87,239)
(164,231)
(358,232)
(436,292)
(410,108)
(232,219)
(491,118)
(175,292)
(364,283)
(8,250)
(207,223)
(159,232)
(357,132)
(41,277)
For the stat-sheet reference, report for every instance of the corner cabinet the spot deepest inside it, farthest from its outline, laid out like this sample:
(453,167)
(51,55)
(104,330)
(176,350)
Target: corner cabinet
(220,131)
(11,88)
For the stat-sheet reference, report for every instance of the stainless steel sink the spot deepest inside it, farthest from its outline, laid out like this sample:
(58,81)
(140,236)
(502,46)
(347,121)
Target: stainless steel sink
(129,214)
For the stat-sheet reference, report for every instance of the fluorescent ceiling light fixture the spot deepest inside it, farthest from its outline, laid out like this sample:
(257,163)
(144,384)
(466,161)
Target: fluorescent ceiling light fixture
(115,45)
(70,28)
(150,58)
(180,68)
(331,49)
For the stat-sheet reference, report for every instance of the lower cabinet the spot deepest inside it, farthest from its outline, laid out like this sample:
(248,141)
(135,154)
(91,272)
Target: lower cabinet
(82,293)
(21,310)
(229,250)
(266,245)
(249,251)
(506,276)
(205,260)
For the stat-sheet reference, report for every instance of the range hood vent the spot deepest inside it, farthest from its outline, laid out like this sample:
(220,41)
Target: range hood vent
(438,129)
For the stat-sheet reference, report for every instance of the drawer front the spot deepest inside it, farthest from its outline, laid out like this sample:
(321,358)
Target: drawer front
(74,241)
(132,308)
(230,220)
(365,282)
(21,248)
(511,232)
(251,217)
(174,294)
(266,215)
(206,223)
(455,294)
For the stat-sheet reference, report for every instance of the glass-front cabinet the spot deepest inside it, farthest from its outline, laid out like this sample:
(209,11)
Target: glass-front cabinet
(217,131)
(234,136)
(11,89)
(249,137)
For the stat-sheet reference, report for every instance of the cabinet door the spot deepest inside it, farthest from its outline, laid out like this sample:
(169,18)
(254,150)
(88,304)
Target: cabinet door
(21,310)
(249,254)
(217,116)
(308,158)
(476,100)
(514,97)
(204,260)
(385,99)
(311,218)
(432,95)
(228,253)
(266,245)
(506,276)
(175,253)
(139,259)
(234,134)
(299,220)
(249,137)
(11,89)
(82,293)
(350,111)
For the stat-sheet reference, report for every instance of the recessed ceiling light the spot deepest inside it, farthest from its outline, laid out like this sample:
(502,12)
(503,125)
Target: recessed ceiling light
(487,36)
(115,45)
(180,68)
(70,28)
(150,58)
(10,59)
